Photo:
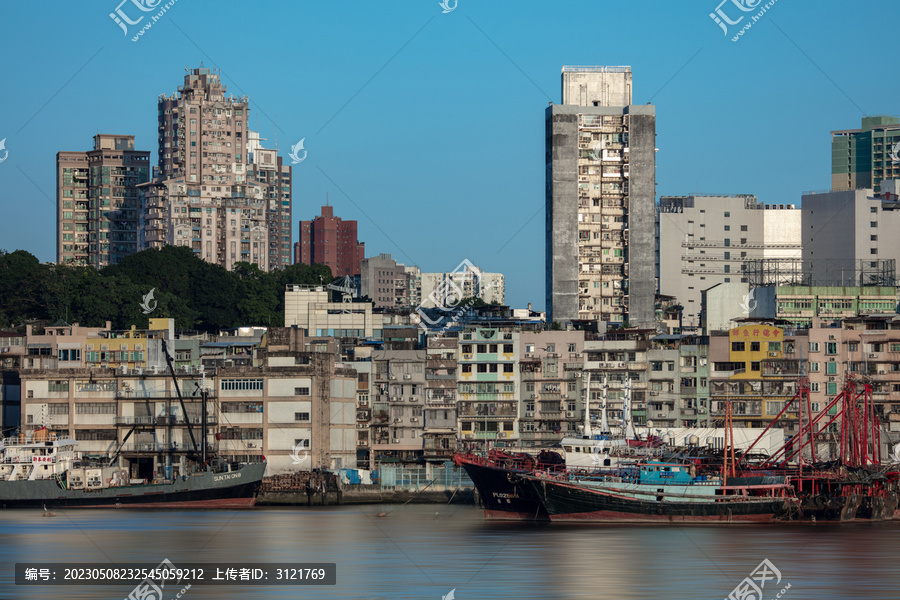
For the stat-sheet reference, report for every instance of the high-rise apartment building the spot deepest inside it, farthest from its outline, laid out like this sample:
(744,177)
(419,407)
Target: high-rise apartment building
(468,281)
(208,194)
(203,132)
(849,235)
(97,201)
(329,240)
(862,158)
(267,170)
(600,200)
(222,225)
(708,240)
(390,284)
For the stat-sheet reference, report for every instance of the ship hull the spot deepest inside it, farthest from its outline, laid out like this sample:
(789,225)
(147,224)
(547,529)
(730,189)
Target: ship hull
(229,490)
(505,495)
(566,502)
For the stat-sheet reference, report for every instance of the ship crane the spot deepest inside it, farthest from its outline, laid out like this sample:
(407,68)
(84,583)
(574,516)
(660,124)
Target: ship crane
(345,286)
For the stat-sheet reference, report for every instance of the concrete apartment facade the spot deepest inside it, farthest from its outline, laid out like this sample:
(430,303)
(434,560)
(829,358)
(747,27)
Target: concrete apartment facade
(550,386)
(398,404)
(201,196)
(267,170)
(98,203)
(487,399)
(755,368)
(600,200)
(202,132)
(220,227)
(446,289)
(850,234)
(329,240)
(308,308)
(441,419)
(290,400)
(862,158)
(704,241)
(389,284)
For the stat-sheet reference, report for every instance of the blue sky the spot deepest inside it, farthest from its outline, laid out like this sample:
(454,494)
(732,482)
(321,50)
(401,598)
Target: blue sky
(428,128)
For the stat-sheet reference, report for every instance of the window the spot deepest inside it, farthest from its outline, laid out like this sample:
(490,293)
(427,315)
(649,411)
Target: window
(95,408)
(774,346)
(814,386)
(507,367)
(301,391)
(737,346)
(754,366)
(59,386)
(551,347)
(831,368)
(831,388)
(727,215)
(814,346)
(507,348)
(242,407)
(754,346)
(813,367)
(831,348)
(241,384)
(873,224)
(466,368)
(301,416)
(743,228)
(728,228)
(89,435)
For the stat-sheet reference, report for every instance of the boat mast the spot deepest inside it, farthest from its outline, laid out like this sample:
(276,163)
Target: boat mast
(604,421)
(626,413)
(588,433)
(187,419)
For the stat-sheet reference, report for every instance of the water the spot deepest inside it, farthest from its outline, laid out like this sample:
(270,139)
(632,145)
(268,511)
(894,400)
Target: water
(424,551)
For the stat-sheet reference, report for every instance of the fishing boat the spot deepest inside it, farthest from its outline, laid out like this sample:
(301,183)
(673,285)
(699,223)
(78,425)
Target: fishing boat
(662,492)
(41,469)
(506,496)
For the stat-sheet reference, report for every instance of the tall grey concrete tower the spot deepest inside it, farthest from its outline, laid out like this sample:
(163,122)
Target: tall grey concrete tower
(600,200)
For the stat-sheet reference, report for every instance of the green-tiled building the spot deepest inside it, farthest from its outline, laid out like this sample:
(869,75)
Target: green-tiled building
(862,158)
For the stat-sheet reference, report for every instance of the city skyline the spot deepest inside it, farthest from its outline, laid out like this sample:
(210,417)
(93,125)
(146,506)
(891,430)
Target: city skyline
(420,205)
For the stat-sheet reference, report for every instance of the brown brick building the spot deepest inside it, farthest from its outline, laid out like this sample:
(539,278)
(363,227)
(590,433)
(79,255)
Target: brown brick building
(329,240)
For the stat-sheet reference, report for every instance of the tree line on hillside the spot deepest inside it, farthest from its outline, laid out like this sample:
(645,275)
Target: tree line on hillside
(197,294)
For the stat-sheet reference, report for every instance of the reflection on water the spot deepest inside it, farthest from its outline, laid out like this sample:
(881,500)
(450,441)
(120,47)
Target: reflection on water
(422,552)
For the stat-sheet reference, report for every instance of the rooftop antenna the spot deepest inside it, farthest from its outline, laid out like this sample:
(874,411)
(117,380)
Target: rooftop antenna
(326,198)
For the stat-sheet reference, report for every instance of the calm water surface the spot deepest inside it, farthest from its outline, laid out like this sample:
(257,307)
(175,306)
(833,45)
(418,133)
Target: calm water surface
(424,551)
